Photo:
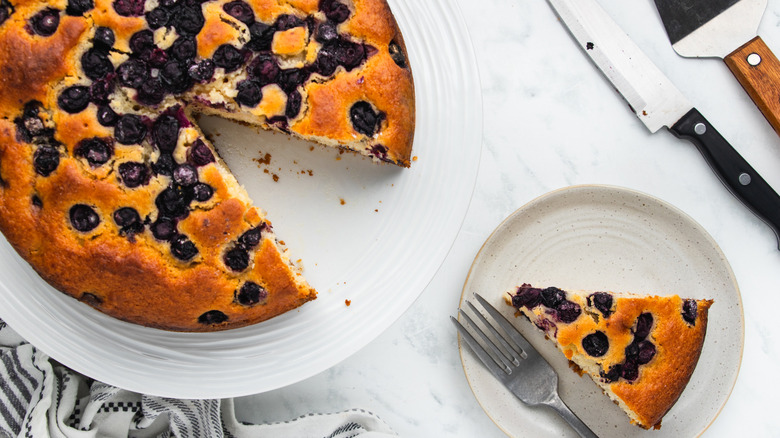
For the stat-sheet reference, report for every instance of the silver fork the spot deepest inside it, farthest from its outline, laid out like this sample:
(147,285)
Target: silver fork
(515,362)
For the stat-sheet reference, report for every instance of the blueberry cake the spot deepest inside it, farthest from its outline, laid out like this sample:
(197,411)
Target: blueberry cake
(641,350)
(112,193)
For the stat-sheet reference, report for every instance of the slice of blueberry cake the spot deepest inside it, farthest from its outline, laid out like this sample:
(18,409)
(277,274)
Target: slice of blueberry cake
(641,350)
(112,193)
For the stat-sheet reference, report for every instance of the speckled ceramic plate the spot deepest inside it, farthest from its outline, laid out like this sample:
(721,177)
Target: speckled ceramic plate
(607,238)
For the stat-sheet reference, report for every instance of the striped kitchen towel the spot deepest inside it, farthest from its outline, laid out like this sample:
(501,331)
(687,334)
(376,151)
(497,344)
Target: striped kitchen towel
(41,398)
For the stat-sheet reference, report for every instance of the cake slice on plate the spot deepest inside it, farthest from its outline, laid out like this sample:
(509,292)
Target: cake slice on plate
(641,350)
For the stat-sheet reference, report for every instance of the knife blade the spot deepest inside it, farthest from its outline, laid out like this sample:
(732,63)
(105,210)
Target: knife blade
(658,103)
(727,29)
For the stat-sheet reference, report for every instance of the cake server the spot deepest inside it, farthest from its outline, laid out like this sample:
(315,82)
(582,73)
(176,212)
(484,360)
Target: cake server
(727,29)
(658,103)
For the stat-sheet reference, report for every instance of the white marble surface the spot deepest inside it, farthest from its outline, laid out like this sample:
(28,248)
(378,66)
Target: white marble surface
(550,121)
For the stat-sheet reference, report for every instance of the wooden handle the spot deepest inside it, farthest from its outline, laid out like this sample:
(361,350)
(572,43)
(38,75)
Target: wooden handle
(758,70)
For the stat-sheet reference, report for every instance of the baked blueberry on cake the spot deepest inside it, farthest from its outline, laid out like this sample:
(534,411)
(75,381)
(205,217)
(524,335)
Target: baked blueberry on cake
(641,350)
(109,189)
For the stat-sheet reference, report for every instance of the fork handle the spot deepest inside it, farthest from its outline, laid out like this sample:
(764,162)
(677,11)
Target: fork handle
(581,428)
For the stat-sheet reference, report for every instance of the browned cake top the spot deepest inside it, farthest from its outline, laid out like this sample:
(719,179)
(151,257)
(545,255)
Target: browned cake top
(109,189)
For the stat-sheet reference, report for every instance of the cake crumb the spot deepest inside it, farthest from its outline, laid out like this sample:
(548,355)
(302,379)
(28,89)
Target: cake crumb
(342,201)
(347,302)
(275,177)
(414,158)
(264,159)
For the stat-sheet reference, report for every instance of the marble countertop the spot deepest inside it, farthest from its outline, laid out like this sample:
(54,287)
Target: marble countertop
(550,121)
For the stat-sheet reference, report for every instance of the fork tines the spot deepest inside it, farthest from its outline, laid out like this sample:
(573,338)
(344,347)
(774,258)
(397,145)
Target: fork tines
(502,347)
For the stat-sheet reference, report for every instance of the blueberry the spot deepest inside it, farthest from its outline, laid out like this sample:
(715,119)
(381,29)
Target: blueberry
(263,69)
(133,73)
(45,22)
(185,175)
(397,54)
(96,64)
(237,259)
(158,17)
(241,11)
(157,57)
(380,151)
(175,77)
(202,192)
(552,297)
(164,165)
(46,159)
(74,99)
(165,132)
(326,31)
(6,9)
(690,310)
(250,294)
(199,154)
(289,79)
(96,151)
(646,352)
(163,228)
(261,36)
(133,174)
(630,371)
(335,11)
(185,48)
(228,57)
(527,296)
(347,53)
(151,92)
(106,115)
(182,248)
(130,129)
(251,238)
(249,94)
(632,351)
(101,89)
(364,119)
(603,302)
(568,311)
(79,7)
(129,8)
(326,62)
(293,108)
(613,374)
(104,38)
(212,317)
(287,21)
(142,43)
(128,220)
(84,218)
(188,20)
(173,202)
(644,323)
(596,344)
(202,71)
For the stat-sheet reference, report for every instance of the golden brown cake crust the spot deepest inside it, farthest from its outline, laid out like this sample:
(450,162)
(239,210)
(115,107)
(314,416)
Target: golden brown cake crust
(65,191)
(659,382)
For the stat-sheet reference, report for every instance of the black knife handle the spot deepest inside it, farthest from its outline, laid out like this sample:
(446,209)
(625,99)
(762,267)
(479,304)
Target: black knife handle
(738,176)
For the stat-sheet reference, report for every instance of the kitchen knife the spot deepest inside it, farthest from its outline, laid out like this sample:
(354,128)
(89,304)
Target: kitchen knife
(658,103)
(727,29)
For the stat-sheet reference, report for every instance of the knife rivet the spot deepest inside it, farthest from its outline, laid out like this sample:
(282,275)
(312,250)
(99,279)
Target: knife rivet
(744,179)
(754,59)
(700,128)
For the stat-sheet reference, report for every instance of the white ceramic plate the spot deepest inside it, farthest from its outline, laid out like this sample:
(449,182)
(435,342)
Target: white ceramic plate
(607,238)
(373,235)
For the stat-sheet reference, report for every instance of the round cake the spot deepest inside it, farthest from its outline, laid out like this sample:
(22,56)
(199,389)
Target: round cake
(112,193)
